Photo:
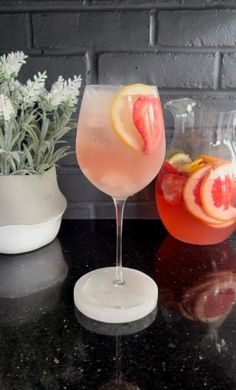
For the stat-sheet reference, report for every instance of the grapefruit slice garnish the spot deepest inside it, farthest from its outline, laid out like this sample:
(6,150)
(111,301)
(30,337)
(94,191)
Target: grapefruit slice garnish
(192,195)
(136,116)
(218,192)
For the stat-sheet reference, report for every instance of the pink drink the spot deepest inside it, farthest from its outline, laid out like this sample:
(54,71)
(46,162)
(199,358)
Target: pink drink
(112,166)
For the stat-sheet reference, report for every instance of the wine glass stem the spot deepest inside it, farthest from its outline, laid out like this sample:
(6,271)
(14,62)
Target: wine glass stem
(119,208)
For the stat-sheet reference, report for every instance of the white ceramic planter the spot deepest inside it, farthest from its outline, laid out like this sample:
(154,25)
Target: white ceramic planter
(31,209)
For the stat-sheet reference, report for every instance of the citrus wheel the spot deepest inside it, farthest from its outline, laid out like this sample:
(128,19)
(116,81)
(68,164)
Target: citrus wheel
(192,195)
(211,159)
(195,165)
(218,192)
(180,160)
(136,116)
(222,224)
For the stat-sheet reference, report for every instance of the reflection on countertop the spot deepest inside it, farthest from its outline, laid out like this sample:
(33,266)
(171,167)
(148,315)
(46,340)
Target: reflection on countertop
(197,281)
(189,344)
(117,331)
(30,283)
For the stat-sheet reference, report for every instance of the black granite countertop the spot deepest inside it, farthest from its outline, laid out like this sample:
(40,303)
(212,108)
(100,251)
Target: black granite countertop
(189,343)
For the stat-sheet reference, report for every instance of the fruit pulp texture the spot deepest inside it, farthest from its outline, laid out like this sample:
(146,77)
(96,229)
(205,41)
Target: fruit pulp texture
(111,165)
(184,226)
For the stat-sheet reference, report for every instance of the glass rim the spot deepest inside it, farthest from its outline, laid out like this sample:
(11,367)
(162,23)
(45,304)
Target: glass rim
(202,105)
(104,85)
(116,85)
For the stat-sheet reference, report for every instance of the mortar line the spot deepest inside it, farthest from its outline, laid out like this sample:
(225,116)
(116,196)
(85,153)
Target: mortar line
(91,67)
(142,50)
(125,7)
(29,28)
(152,28)
(217,71)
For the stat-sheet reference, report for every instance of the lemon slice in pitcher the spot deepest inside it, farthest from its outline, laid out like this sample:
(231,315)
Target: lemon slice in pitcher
(180,160)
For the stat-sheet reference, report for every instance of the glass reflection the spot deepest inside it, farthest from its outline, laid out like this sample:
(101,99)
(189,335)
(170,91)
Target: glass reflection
(199,283)
(117,331)
(30,284)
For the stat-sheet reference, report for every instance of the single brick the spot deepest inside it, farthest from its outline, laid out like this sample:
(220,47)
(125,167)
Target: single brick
(116,2)
(166,70)
(142,3)
(133,210)
(80,210)
(220,101)
(104,210)
(100,29)
(55,66)
(70,159)
(228,74)
(197,28)
(77,188)
(141,210)
(42,4)
(13,32)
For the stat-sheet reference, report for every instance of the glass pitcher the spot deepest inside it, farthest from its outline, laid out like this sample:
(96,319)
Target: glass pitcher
(196,187)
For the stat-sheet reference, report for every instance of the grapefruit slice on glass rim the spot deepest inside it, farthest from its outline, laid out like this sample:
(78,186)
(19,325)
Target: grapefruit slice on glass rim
(218,192)
(136,116)
(192,196)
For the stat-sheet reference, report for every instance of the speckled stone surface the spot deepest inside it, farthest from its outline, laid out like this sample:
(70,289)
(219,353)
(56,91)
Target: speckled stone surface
(189,343)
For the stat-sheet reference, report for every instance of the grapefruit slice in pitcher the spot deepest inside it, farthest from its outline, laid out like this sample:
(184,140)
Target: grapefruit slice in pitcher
(218,192)
(192,195)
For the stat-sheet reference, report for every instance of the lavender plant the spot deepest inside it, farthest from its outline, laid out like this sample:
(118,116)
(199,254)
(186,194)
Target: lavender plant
(33,121)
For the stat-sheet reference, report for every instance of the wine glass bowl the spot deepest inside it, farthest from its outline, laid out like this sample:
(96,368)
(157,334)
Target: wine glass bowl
(120,147)
(106,160)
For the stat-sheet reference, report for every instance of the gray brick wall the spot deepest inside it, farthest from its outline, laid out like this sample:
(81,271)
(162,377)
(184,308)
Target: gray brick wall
(186,47)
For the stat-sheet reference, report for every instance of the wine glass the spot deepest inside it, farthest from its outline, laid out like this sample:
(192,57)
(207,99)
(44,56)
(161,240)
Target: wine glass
(120,148)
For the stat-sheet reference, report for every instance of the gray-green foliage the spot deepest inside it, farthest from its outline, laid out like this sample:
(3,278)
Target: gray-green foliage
(33,120)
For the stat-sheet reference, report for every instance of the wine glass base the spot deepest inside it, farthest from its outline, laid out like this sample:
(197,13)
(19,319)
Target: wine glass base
(120,329)
(97,297)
